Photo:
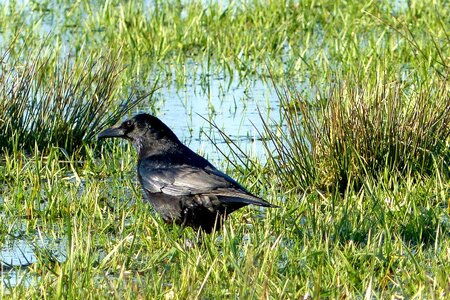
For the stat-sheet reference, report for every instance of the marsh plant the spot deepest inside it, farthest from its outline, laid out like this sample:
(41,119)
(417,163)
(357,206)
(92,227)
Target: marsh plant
(47,101)
(359,131)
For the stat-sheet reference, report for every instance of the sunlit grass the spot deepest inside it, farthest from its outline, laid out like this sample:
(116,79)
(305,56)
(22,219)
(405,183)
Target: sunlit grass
(310,41)
(359,131)
(62,103)
(389,239)
(359,165)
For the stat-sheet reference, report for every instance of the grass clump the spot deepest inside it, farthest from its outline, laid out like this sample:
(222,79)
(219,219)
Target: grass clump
(361,131)
(50,102)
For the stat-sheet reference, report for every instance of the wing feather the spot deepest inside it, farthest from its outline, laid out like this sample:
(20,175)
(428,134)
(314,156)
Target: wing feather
(185,180)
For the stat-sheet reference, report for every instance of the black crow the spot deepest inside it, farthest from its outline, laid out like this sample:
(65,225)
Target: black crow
(181,185)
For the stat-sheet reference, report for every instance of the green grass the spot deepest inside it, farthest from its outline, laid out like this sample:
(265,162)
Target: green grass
(49,102)
(359,164)
(360,131)
(310,41)
(389,239)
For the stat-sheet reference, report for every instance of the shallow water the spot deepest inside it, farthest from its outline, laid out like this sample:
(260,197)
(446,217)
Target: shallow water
(233,106)
(18,253)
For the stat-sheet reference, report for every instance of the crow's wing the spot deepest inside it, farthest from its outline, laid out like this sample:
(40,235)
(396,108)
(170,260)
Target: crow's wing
(182,180)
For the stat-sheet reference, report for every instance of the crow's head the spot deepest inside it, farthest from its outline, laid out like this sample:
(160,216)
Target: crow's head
(145,132)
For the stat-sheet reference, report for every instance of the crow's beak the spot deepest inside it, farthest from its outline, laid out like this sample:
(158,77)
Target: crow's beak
(111,132)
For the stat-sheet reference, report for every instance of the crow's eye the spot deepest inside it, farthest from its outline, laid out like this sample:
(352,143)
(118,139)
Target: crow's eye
(128,124)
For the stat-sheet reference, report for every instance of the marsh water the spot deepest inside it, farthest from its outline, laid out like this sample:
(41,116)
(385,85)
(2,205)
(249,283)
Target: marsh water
(234,107)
